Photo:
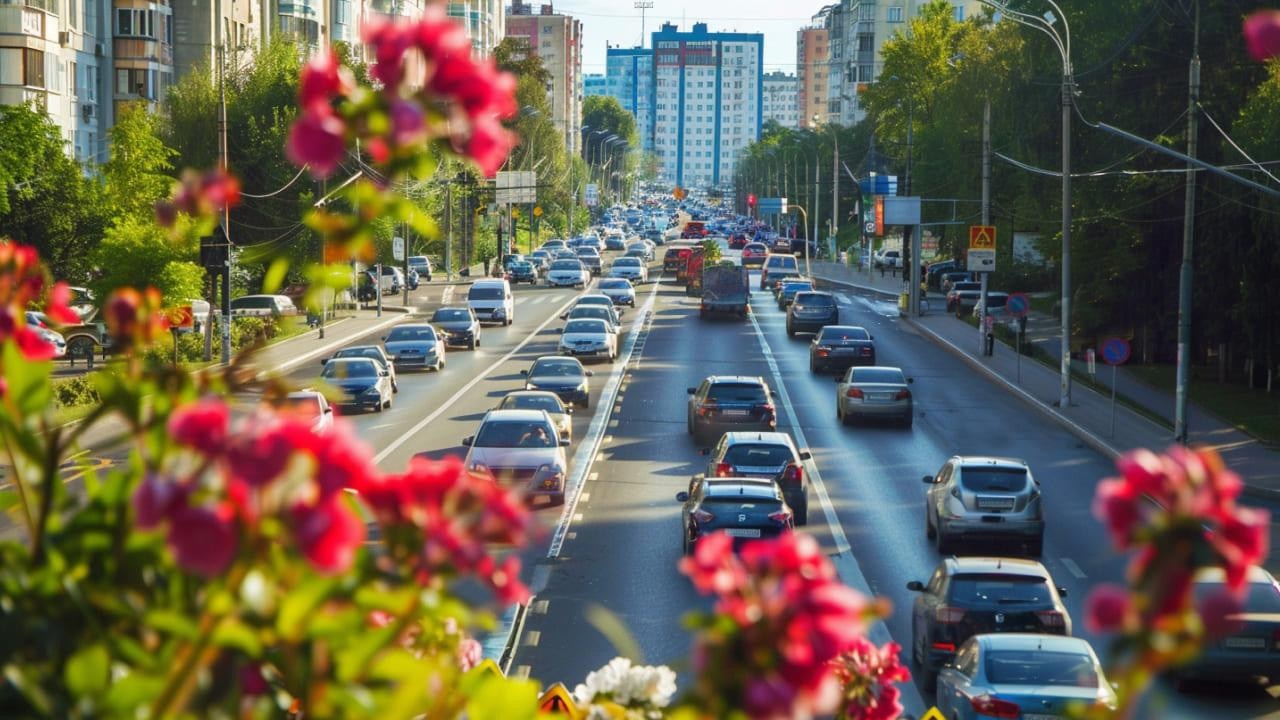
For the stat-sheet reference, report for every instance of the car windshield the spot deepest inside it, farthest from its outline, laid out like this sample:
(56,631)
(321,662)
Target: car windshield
(550,403)
(590,311)
(748,455)
(510,434)
(402,334)
(485,293)
(450,315)
(369,352)
(555,368)
(566,265)
(975,590)
(629,262)
(832,334)
(815,299)
(302,406)
(614,285)
(1038,667)
(878,375)
(968,285)
(737,392)
(993,479)
(1261,597)
(342,370)
(585,326)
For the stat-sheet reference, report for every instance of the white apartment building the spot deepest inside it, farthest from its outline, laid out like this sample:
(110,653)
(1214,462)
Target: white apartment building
(629,79)
(780,99)
(707,102)
(485,21)
(557,40)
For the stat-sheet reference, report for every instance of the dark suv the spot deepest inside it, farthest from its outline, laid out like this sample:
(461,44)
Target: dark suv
(766,456)
(743,508)
(732,402)
(810,311)
(976,595)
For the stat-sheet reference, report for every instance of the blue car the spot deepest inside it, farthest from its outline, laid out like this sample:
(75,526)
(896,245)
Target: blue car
(364,383)
(1022,675)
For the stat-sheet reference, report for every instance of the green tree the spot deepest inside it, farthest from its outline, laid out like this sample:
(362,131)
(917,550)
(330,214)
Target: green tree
(179,281)
(136,252)
(139,170)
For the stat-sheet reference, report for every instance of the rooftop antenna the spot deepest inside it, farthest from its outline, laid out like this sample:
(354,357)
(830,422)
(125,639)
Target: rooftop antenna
(642,5)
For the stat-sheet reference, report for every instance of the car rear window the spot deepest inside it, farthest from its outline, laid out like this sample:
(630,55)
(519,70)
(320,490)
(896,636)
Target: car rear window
(782,262)
(758,455)
(968,285)
(485,293)
(566,265)
(737,392)
(831,334)
(1037,667)
(990,590)
(509,434)
(627,261)
(614,284)
(993,479)
(814,299)
(585,326)
(877,375)
(750,503)
(1261,597)
(401,334)
(450,314)
(532,402)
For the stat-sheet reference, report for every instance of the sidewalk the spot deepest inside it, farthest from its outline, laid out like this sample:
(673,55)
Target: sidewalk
(1089,416)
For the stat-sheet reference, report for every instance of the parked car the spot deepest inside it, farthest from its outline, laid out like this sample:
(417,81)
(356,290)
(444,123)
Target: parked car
(262,306)
(398,280)
(841,346)
(768,456)
(963,296)
(883,258)
(568,273)
(974,595)
(874,392)
(43,328)
(618,290)
(996,302)
(589,337)
(950,278)
(459,326)
(742,508)
(1023,675)
(374,352)
(520,447)
(810,311)
(415,345)
(984,498)
(422,265)
(364,383)
(548,402)
(563,376)
(491,300)
(722,403)
(1247,650)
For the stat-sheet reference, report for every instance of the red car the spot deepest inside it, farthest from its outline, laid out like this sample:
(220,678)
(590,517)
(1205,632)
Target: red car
(753,253)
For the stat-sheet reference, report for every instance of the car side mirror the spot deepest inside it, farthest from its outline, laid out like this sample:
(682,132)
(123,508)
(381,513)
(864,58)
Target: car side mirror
(590,374)
(384,338)
(466,441)
(385,373)
(927,479)
(910,380)
(524,373)
(915,586)
(324,360)
(564,442)
(682,496)
(1062,591)
(568,410)
(806,455)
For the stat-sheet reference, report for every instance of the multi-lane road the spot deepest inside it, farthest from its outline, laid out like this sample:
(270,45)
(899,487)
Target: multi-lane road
(615,543)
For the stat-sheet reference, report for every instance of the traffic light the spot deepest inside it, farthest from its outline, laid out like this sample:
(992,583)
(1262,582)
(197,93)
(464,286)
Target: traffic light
(751,200)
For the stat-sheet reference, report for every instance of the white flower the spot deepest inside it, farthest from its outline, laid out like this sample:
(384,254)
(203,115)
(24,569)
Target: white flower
(647,686)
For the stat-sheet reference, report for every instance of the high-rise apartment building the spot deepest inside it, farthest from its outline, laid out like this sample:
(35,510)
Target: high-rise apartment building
(629,78)
(557,40)
(811,73)
(707,104)
(485,21)
(200,27)
(594,84)
(778,97)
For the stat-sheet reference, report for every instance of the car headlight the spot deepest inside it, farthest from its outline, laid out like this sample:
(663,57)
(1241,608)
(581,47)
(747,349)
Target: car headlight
(371,391)
(499,312)
(582,386)
(479,467)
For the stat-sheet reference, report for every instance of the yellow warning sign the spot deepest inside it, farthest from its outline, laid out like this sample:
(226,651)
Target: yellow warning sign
(489,666)
(537,211)
(557,699)
(982,237)
(933,714)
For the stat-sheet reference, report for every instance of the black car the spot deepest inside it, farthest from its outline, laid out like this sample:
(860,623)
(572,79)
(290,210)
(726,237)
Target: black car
(614,242)
(723,403)
(838,347)
(810,311)
(522,271)
(563,376)
(744,508)
(976,595)
(459,326)
(374,352)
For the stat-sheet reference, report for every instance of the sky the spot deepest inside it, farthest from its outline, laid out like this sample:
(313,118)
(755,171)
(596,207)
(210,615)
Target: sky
(617,22)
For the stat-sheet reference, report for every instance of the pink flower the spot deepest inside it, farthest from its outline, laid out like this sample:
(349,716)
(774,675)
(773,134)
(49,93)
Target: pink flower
(252,684)
(408,124)
(321,80)
(438,35)
(1220,613)
(203,539)
(342,461)
(868,673)
(469,653)
(135,318)
(1116,505)
(317,140)
(505,582)
(1242,541)
(488,145)
(711,567)
(1262,34)
(1108,608)
(263,446)
(155,500)
(58,308)
(202,425)
(328,533)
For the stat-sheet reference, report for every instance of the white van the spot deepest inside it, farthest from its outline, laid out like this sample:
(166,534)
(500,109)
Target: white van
(491,301)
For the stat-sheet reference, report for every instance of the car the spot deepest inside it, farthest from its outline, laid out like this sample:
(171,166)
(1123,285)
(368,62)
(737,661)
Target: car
(263,306)
(588,337)
(619,290)
(548,402)
(721,403)
(589,311)
(810,311)
(363,382)
(787,288)
(874,392)
(422,265)
(459,326)
(963,296)
(639,251)
(43,328)
(753,254)
(984,498)
(775,267)
(600,299)
(767,456)
(415,344)
(369,351)
(520,447)
(1023,675)
(675,257)
(743,508)
(883,258)
(590,258)
(737,241)
(564,376)
(541,259)
(553,245)
(614,241)
(398,280)
(841,346)
(630,268)
(780,244)
(309,406)
(568,272)
(522,271)
(1247,650)
(490,299)
(975,595)
(995,303)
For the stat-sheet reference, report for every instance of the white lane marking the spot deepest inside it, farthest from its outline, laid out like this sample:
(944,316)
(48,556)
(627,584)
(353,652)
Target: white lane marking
(395,444)
(577,517)
(531,639)
(447,295)
(843,300)
(1073,568)
(585,497)
(539,607)
(326,349)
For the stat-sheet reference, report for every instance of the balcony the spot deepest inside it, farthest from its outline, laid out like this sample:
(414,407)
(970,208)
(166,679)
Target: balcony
(49,6)
(143,49)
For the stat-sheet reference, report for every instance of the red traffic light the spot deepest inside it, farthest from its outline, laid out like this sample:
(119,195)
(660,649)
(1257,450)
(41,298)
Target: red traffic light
(751,200)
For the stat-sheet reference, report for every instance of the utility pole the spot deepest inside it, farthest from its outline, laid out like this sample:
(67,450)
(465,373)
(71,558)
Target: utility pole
(986,218)
(817,170)
(223,152)
(835,193)
(448,229)
(1180,430)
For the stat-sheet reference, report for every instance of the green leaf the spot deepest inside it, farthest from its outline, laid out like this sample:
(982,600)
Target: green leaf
(172,622)
(234,634)
(28,381)
(299,604)
(130,693)
(30,690)
(8,498)
(275,275)
(503,699)
(88,671)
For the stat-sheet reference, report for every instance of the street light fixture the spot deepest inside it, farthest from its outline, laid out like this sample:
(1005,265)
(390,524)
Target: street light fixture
(1062,42)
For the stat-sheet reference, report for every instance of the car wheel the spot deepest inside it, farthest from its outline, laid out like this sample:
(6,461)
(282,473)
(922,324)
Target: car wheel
(395,387)
(791,332)
(684,542)
(439,364)
(802,512)
(555,498)
(472,344)
(929,532)
(941,542)
(586,403)
(845,418)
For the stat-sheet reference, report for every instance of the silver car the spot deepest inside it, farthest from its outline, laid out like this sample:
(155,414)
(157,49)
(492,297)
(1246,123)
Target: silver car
(984,498)
(415,344)
(588,337)
(874,392)
(520,447)
(548,402)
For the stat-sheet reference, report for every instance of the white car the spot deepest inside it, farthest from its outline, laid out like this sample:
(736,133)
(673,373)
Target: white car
(39,323)
(631,268)
(614,314)
(619,290)
(549,402)
(262,306)
(308,405)
(490,299)
(567,272)
(520,446)
(589,337)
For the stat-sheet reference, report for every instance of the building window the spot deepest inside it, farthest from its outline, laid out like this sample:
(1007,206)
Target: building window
(124,22)
(33,68)
(895,14)
(959,13)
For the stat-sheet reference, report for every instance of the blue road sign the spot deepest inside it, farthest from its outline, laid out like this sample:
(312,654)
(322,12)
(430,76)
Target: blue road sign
(1115,351)
(1018,304)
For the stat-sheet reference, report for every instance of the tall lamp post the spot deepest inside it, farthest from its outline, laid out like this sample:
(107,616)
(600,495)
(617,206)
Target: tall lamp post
(1047,24)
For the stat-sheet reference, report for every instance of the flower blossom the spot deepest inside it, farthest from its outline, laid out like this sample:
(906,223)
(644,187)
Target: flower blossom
(642,687)
(200,195)
(135,318)
(1262,34)
(868,673)
(22,283)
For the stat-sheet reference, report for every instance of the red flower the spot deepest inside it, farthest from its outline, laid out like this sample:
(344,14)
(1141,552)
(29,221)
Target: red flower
(135,317)
(1116,505)
(438,35)
(58,308)
(156,500)
(868,673)
(711,567)
(202,539)
(1220,613)
(488,145)
(1242,541)
(202,425)
(328,533)
(343,461)
(1108,609)
(263,446)
(1262,34)
(317,140)
(321,79)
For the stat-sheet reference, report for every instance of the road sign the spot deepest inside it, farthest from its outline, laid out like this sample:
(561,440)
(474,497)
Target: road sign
(397,248)
(593,194)
(982,248)
(933,714)
(557,699)
(1091,359)
(772,206)
(1018,304)
(537,211)
(870,227)
(516,186)
(1115,351)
